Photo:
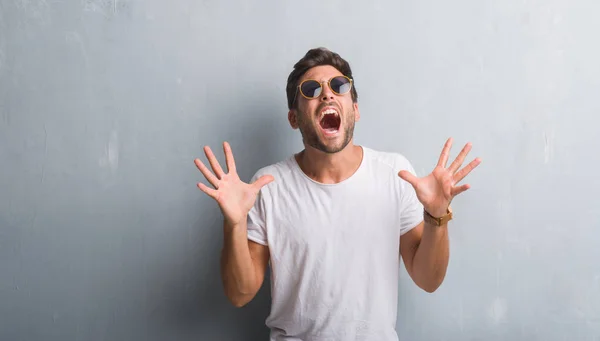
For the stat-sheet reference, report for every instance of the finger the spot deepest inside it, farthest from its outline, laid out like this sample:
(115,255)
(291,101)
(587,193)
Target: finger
(213,193)
(229,157)
(457,190)
(262,181)
(466,170)
(445,152)
(408,177)
(213,162)
(460,158)
(207,173)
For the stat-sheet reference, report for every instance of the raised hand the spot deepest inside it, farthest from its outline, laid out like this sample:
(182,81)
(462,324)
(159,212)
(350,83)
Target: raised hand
(235,197)
(436,190)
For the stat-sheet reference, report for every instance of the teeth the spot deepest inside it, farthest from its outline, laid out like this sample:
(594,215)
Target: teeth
(328,112)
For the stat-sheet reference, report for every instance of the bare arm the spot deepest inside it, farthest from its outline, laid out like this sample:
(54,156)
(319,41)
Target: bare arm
(243,265)
(425,251)
(243,262)
(425,248)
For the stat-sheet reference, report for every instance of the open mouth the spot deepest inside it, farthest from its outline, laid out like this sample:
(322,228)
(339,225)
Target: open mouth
(330,121)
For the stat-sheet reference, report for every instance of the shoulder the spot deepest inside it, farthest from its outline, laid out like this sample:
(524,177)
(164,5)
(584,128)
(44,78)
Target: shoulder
(394,160)
(278,170)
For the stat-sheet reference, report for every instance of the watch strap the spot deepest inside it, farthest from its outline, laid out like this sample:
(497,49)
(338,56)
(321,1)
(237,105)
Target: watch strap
(437,221)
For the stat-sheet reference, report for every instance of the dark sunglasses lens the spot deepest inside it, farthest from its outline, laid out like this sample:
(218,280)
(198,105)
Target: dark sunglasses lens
(340,84)
(311,89)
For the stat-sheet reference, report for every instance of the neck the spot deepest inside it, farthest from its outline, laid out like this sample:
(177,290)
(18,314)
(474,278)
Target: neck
(330,168)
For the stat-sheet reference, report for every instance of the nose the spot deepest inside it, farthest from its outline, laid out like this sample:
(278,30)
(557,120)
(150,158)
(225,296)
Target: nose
(326,93)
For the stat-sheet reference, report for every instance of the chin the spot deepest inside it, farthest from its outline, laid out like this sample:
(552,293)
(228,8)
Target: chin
(332,146)
(330,139)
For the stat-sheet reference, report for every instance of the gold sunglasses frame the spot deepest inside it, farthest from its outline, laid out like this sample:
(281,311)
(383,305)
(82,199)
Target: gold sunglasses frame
(299,90)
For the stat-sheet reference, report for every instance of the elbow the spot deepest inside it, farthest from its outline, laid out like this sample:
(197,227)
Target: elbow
(430,288)
(238,295)
(239,302)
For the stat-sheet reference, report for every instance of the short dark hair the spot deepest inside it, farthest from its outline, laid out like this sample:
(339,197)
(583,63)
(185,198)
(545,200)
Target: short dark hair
(316,57)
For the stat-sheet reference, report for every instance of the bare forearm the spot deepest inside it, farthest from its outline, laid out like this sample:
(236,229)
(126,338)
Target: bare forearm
(431,258)
(237,267)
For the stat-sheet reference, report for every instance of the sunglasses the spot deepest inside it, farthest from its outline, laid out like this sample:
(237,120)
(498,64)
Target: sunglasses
(311,88)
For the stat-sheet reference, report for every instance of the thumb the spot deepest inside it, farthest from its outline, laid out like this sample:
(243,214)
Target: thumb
(263,180)
(408,177)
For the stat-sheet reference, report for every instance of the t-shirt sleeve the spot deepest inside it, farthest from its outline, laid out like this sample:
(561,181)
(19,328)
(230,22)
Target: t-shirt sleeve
(411,208)
(256,223)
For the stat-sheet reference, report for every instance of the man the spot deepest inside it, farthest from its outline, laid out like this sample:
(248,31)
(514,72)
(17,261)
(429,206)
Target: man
(333,220)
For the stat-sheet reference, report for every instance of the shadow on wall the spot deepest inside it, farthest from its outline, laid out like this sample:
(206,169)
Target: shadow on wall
(199,309)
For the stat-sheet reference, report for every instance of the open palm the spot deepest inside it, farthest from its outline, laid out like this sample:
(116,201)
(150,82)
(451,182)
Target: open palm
(235,197)
(436,190)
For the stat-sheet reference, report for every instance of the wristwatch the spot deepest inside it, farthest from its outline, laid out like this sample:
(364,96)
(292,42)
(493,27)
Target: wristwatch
(438,221)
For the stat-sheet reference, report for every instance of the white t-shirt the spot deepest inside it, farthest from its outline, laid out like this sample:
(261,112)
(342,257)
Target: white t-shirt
(335,252)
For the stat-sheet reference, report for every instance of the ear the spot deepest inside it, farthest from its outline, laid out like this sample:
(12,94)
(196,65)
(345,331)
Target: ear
(356,112)
(292,118)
